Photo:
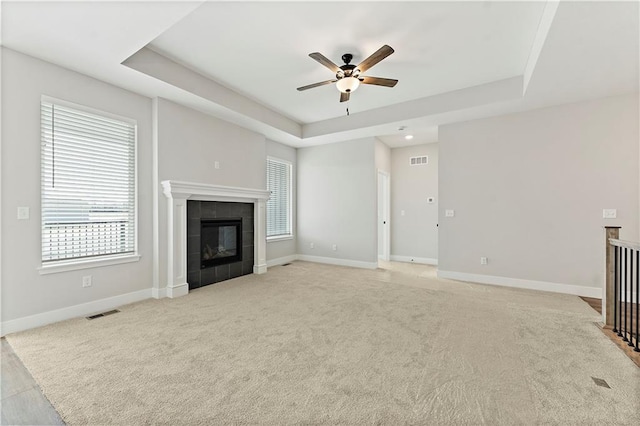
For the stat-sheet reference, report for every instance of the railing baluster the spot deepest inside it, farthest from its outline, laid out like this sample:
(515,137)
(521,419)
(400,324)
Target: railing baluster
(629,299)
(616,278)
(625,271)
(637,349)
(619,298)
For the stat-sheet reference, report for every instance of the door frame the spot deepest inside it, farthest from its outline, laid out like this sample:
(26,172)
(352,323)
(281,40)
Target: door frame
(384,201)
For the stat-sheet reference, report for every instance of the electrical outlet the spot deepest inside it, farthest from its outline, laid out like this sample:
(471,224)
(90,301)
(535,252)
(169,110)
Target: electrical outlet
(335,247)
(449,213)
(483,261)
(401,212)
(216,164)
(311,245)
(609,213)
(86,281)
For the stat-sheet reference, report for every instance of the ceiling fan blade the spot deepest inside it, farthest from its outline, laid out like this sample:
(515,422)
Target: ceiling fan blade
(387,82)
(324,61)
(376,57)
(311,86)
(344,97)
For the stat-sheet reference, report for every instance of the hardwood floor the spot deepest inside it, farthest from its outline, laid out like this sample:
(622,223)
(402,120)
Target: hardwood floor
(22,401)
(594,303)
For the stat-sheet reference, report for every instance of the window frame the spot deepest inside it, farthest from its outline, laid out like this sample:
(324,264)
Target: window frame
(63,265)
(290,235)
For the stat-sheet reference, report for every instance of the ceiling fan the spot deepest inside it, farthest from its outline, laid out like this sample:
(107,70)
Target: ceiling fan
(348,76)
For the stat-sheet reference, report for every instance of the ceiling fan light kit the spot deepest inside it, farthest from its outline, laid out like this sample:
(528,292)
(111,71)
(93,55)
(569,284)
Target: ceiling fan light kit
(347,84)
(348,77)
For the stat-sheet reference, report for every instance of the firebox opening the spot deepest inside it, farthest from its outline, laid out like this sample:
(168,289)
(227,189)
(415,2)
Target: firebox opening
(221,241)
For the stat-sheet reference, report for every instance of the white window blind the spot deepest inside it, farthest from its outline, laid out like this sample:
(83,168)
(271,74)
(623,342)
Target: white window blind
(279,204)
(88,184)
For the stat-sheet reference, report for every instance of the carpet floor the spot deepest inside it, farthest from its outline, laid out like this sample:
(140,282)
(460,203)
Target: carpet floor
(318,344)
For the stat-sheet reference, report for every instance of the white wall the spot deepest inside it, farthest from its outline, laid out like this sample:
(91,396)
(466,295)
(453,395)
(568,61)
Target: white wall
(414,235)
(188,144)
(284,248)
(337,201)
(25,292)
(528,190)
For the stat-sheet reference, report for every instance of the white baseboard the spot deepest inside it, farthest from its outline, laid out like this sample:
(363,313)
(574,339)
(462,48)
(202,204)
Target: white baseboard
(159,293)
(520,283)
(412,259)
(84,309)
(281,260)
(339,262)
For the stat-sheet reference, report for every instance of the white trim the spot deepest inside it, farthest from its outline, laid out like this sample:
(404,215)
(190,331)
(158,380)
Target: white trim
(93,262)
(177,290)
(279,238)
(339,262)
(386,213)
(626,244)
(577,290)
(159,293)
(281,260)
(412,259)
(84,309)
(206,192)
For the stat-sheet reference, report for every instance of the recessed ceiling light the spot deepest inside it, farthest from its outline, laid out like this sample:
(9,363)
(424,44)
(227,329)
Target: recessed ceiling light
(408,137)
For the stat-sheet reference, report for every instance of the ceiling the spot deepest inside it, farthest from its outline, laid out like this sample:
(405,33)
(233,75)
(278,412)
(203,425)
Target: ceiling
(242,61)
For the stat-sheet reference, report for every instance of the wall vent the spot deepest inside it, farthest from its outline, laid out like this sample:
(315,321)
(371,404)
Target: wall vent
(418,161)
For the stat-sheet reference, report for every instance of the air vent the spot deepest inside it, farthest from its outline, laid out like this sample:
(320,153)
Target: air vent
(103,314)
(419,161)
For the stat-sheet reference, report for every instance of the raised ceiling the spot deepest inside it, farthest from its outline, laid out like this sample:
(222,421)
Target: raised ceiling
(242,61)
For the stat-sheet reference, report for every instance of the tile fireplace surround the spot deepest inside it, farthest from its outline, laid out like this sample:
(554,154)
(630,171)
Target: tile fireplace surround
(177,194)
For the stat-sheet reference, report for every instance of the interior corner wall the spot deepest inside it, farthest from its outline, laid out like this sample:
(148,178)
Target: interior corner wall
(189,143)
(528,191)
(284,249)
(26,293)
(383,157)
(337,201)
(414,235)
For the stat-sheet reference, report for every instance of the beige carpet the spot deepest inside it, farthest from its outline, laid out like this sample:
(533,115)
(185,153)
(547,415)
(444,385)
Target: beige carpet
(317,344)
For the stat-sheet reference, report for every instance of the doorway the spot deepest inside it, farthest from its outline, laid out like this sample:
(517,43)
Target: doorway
(384,202)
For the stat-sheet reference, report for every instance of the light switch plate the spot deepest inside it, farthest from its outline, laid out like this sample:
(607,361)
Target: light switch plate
(23,213)
(609,213)
(449,213)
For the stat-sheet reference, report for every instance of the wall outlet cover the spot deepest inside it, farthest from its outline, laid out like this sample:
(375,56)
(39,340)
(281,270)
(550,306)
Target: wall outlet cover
(609,213)
(449,213)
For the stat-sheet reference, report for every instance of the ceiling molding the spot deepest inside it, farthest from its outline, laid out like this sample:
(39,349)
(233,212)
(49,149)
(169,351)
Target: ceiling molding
(546,20)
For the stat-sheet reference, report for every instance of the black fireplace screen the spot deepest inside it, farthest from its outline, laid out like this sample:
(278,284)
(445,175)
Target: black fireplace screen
(221,241)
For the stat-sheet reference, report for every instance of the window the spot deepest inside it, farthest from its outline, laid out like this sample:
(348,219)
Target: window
(279,204)
(88,184)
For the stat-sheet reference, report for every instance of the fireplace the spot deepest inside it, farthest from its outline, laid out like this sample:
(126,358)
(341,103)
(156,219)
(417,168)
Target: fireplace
(188,203)
(220,241)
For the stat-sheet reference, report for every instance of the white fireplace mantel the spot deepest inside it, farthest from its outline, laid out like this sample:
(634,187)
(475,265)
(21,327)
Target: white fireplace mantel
(178,193)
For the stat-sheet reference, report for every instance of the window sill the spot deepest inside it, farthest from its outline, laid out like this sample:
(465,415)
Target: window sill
(73,265)
(279,238)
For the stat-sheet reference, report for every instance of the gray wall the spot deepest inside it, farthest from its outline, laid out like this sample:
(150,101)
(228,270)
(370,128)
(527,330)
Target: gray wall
(25,292)
(283,248)
(188,144)
(337,200)
(414,235)
(528,190)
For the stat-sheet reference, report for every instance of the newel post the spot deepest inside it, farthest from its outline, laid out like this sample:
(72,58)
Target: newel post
(608,299)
